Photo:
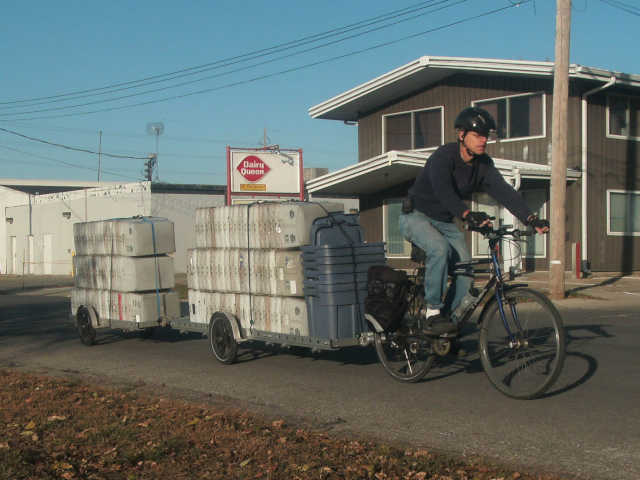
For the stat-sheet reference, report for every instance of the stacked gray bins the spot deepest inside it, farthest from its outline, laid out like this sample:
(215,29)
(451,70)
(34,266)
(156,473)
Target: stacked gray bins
(335,278)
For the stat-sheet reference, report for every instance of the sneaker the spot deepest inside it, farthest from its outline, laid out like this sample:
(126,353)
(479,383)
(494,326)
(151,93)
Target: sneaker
(439,325)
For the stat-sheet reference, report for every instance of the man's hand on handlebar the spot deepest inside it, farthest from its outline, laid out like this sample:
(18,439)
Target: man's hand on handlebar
(476,220)
(540,225)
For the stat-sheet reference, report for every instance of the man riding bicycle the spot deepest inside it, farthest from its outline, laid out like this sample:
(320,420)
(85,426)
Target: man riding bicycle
(452,173)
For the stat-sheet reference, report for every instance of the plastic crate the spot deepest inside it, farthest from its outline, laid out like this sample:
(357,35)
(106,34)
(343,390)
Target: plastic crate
(315,269)
(341,293)
(336,229)
(338,278)
(335,321)
(356,249)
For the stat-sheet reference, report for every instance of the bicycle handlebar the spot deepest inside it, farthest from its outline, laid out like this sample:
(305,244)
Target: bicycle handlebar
(503,231)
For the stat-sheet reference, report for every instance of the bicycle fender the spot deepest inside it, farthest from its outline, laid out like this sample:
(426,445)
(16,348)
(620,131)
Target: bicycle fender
(506,287)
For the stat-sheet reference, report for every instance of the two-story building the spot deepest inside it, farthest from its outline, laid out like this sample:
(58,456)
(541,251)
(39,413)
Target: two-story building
(405,114)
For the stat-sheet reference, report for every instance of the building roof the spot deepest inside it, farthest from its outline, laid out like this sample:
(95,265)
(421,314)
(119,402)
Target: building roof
(427,70)
(40,186)
(396,167)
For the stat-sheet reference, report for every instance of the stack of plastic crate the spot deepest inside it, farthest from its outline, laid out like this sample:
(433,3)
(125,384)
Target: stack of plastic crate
(335,271)
(248,263)
(123,270)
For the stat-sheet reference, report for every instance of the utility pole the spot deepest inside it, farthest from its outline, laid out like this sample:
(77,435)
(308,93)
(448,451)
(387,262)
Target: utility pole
(559,127)
(99,153)
(156,129)
(148,167)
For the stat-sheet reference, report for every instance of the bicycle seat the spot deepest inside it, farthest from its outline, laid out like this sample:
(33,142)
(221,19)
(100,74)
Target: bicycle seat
(417,254)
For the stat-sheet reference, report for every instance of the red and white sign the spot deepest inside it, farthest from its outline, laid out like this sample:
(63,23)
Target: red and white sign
(260,173)
(253,168)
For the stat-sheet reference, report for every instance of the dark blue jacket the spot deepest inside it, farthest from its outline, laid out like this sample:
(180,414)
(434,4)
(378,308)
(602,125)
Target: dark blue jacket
(446,180)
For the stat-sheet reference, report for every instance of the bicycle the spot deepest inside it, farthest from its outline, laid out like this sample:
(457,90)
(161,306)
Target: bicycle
(522,338)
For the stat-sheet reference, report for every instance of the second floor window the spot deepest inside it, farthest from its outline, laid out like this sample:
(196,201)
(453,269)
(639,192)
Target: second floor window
(518,116)
(623,117)
(416,130)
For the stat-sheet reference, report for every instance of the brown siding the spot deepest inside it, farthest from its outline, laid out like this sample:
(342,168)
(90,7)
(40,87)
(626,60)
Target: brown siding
(612,164)
(371,211)
(456,93)
(371,218)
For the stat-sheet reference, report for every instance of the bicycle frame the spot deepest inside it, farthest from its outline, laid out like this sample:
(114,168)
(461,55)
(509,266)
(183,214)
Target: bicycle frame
(495,282)
(408,353)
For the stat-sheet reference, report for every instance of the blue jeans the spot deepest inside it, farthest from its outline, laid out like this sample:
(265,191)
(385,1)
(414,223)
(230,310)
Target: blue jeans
(443,244)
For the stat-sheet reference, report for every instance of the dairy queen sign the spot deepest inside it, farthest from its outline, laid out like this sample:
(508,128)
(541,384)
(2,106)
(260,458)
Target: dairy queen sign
(253,168)
(264,173)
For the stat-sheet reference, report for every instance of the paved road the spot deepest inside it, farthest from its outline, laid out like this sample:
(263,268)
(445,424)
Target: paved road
(588,425)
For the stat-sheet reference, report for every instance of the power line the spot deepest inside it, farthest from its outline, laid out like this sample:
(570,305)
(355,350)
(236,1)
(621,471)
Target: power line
(228,72)
(283,72)
(623,6)
(76,149)
(230,60)
(61,162)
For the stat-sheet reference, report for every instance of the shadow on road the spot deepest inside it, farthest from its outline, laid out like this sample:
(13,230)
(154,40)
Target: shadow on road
(592,366)
(578,335)
(608,281)
(250,351)
(152,334)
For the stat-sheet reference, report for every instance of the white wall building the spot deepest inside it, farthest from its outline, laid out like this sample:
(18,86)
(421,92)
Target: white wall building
(36,236)
(37,233)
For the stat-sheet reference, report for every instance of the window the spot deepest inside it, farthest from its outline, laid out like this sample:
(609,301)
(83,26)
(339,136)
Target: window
(397,246)
(484,203)
(518,116)
(530,247)
(535,246)
(420,129)
(623,212)
(623,117)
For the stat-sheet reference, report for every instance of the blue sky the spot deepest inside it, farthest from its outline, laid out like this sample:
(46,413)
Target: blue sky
(54,48)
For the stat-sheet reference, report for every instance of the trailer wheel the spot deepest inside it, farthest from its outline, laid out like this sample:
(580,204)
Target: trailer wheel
(223,345)
(84,325)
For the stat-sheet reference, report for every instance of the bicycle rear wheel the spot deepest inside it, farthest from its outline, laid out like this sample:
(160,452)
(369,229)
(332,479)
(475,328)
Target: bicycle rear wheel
(407,358)
(524,357)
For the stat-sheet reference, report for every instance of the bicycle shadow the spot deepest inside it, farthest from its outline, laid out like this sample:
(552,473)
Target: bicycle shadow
(465,360)
(570,378)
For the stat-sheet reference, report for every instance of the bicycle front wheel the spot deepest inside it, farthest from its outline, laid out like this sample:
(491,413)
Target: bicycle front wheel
(522,343)
(407,358)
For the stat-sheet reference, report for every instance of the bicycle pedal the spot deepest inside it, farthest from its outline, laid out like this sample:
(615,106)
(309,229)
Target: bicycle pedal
(448,335)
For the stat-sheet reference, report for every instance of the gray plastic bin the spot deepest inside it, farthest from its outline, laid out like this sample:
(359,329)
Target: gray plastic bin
(337,229)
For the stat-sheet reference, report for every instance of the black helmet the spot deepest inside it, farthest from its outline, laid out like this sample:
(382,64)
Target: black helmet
(475,119)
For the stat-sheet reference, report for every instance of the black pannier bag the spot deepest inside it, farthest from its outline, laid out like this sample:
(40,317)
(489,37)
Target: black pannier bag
(386,301)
